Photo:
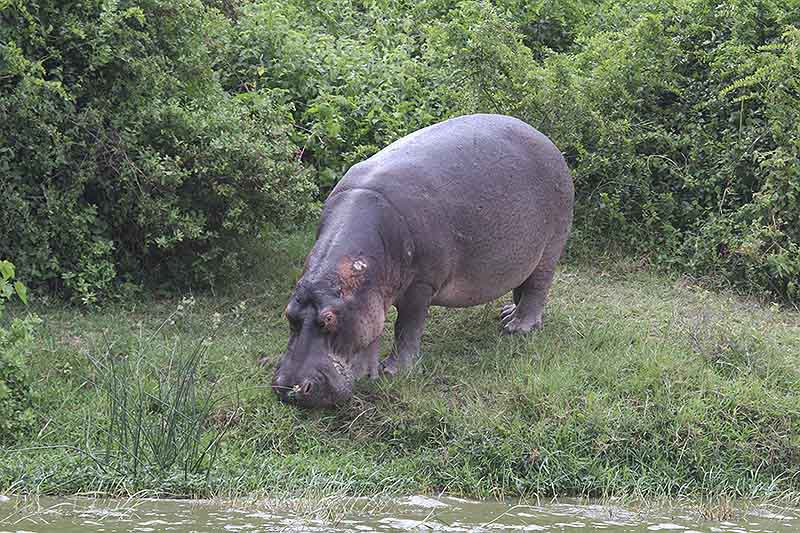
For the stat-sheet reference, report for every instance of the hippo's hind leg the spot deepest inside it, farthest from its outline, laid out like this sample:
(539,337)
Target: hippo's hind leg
(412,309)
(525,314)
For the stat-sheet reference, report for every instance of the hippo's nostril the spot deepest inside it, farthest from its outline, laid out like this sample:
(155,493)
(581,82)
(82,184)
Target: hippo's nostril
(306,388)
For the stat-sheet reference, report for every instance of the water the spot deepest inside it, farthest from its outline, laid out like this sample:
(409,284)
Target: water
(417,513)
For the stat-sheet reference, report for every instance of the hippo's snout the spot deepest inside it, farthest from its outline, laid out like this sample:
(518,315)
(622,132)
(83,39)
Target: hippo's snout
(317,369)
(290,392)
(314,391)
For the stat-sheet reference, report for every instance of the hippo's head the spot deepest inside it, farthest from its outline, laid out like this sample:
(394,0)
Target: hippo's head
(333,319)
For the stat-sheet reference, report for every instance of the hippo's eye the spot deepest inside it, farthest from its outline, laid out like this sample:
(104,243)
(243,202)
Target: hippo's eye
(327,322)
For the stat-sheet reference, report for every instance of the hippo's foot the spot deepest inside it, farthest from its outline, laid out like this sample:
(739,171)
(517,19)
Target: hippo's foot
(514,321)
(395,364)
(390,366)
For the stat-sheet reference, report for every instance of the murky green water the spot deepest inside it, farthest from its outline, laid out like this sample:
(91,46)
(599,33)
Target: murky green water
(416,513)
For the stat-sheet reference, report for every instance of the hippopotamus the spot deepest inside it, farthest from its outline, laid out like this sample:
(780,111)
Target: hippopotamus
(456,214)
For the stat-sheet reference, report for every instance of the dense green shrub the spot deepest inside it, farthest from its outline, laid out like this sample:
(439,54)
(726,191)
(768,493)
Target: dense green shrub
(679,119)
(548,24)
(353,76)
(758,239)
(15,337)
(122,156)
(146,136)
(356,73)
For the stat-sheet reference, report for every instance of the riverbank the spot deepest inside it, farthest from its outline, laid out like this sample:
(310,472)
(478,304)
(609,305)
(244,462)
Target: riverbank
(639,385)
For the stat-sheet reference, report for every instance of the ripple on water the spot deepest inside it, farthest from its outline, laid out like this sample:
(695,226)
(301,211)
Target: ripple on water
(762,512)
(424,502)
(416,513)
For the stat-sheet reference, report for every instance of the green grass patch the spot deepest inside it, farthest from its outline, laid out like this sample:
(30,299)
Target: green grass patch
(639,385)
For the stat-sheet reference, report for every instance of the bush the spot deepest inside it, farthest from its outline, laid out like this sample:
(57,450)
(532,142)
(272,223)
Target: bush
(123,157)
(145,137)
(758,239)
(353,76)
(16,414)
(679,120)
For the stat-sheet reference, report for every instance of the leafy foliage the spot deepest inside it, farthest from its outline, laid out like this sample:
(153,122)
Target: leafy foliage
(15,338)
(355,79)
(146,136)
(678,118)
(123,157)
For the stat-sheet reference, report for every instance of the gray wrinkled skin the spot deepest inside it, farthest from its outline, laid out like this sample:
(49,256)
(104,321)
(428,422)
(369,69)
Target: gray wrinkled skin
(456,214)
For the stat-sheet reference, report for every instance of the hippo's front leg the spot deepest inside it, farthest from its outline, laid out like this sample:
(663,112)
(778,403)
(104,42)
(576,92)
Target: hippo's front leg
(365,362)
(412,310)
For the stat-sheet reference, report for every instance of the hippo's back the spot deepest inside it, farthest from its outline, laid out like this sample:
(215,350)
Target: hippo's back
(482,196)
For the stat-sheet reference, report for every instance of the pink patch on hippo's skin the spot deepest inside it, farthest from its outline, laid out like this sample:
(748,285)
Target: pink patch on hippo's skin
(351,275)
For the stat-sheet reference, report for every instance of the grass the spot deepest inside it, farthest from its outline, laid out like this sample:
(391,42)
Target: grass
(641,385)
